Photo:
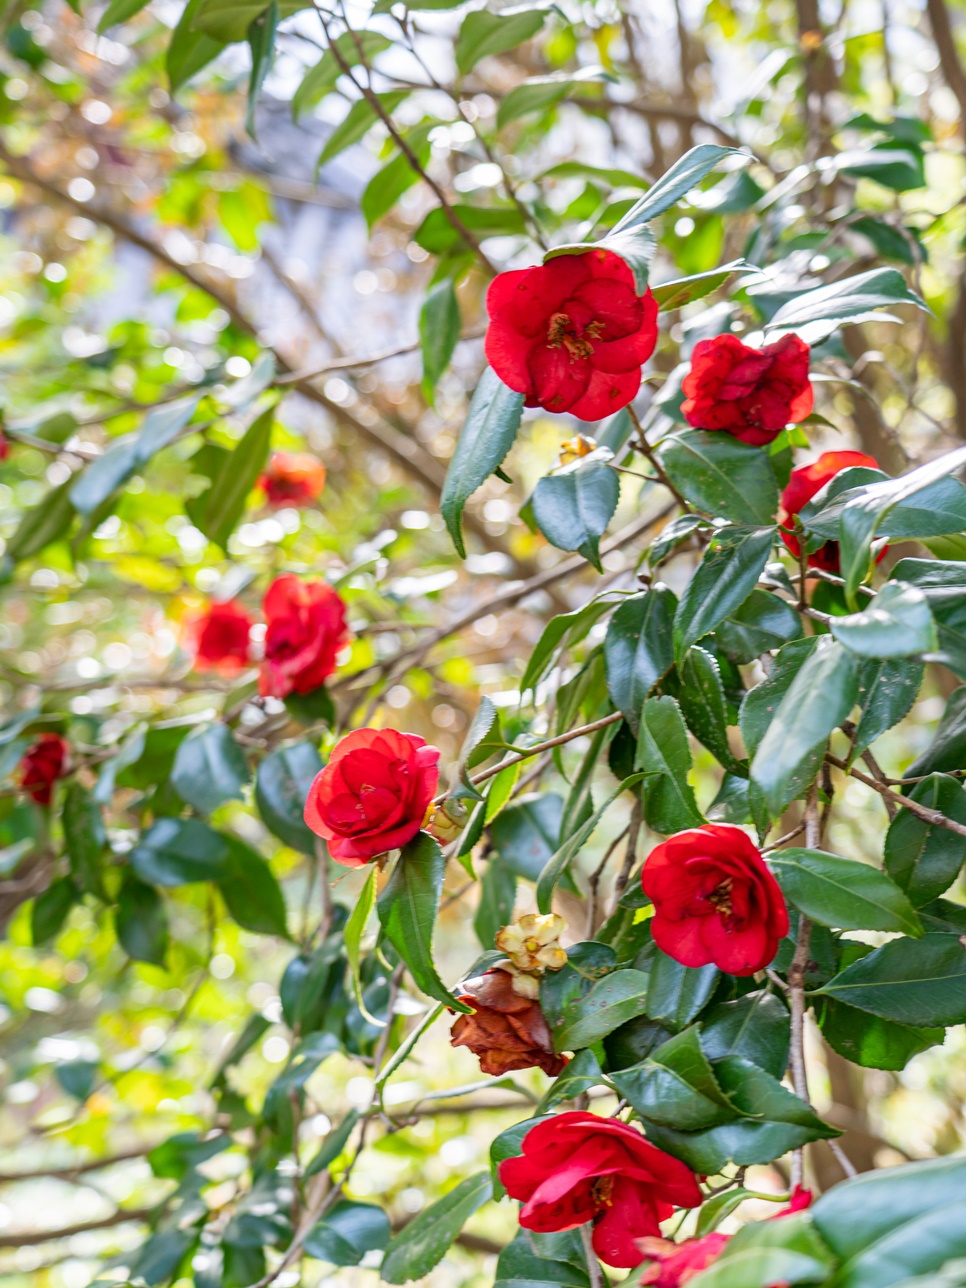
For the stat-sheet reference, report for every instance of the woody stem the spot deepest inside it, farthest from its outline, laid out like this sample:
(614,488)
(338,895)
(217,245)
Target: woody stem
(796,988)
(593,1265)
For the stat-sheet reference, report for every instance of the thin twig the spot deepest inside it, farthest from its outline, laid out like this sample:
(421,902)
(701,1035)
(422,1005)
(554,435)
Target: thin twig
(593,1265)
(796,988)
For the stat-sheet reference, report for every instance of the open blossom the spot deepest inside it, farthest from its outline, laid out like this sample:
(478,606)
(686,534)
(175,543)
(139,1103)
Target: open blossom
(806,482)
(571,334)
(751,394)
(292,479)
(373,794)
(305,629)
(577,1167)
(714,900)
(219,637)
(41,765)
(506,1030)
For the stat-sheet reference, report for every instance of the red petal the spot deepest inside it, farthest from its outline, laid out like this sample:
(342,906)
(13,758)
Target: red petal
(606,393)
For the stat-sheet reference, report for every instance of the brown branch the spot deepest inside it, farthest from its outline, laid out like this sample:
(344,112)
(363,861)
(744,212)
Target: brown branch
(69,1172)
(921,811)
(31,1238)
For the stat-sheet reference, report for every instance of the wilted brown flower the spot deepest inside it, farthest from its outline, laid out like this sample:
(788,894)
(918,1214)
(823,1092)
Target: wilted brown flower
(506,1031)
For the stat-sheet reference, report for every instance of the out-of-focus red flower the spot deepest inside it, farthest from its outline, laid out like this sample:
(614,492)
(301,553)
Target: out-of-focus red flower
(571,334)
(292,479)
(577,1168)
(506,1031)
(802,485)
(674,1264)
(373,794)
(751,394)
(4,447)
(801,1199)
(220,637)
(305,629)
(41,766)
(714,900)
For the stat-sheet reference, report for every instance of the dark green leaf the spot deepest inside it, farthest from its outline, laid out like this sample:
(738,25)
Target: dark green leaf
(675,183)
(537,93)
(704,706)
(944,585)
(189,50)
(396,177)
(639,649)
(50,911)
(923,858)
(870,1041)
(756,1026)
(765,1253)
(119,11)
(721,475)
(520,1267)
(527,833)
(422,1243)
(85,838)
(225,502)
(676,994)
(407,912)
(581,1073)
(723,580)
(353,47)
(281,788)
(359,119)
(897,623)
(346,1233)
(209,769)
(611,1001)
(261,41)
(836,303)
(141,922)
(77,1077)
(843,893)
(497,897)
(684,290)
(45,522)
(887,691)
(439,329)
(676,1086)
(252,893)
(174,851)
(561,632)
(558,865)
(947,751)
(762,623)
(573,507)
(663,754)
(818,699)
(919,982)
(485,35)
(437,235)
(486,437)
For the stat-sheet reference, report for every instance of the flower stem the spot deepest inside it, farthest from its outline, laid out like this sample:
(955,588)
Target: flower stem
(593,1265)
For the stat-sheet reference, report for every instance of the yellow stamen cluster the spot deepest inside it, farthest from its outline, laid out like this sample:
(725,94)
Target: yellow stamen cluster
(532,943)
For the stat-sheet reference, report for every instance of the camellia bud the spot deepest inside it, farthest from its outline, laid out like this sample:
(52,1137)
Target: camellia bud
(445,821)
(532,943)
(572,449)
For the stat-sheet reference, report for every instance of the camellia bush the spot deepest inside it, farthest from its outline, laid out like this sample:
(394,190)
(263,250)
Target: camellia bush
(484,620)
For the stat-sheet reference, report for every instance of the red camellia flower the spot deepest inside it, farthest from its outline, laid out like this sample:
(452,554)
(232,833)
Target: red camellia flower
(577,1168)
(304,633)
(292,480)
(806,482)
(674,1264)
(714,900)
(752,394)
(41,765)
(571,334)
(506,1031)
(4,447)
(373,794)
(220,637)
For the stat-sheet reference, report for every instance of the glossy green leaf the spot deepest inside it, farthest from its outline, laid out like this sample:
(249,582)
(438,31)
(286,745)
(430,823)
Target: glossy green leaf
(897,623)
(407,912)
(887,690)
(281,788)
(141,922)
(210,768)
(559,863)
(355,928)
(639,649)
(437,235)
(261,42)
(387,185)
(520,1267)
(439,330)
(676,1086)
(721,475)
(676,181)
(422,1244)
(50,911)
(224,504)
(664,756)
(527,833)
(175,851)
(484,34)
(704,705)
(346,1233)
(85,838)
(537,93)
(43,523)
(676,994)
(353,47)
(573,507)
(488,434)
(811,312)
(756,1027)
(762,623)
(611,1001)
(561,632)
(359,119)
(189,49)
(870,1041)
(251,891)
(723,580)
(843,893)
(944,585)
(919,982)
(923,858)
(818,699)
